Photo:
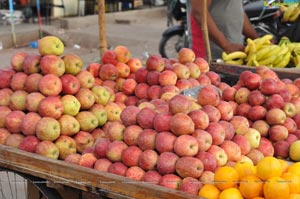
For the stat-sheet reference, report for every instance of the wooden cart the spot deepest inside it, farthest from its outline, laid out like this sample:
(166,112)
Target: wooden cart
(76,182)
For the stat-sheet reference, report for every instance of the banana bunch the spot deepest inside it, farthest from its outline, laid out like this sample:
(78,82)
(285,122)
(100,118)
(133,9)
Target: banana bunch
(240,57)
(295,57)
(235,58)
(290,13)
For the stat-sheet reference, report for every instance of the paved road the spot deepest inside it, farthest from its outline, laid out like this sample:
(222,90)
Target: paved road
(139,30)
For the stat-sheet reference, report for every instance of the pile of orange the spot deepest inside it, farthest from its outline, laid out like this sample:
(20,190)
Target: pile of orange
(271,178)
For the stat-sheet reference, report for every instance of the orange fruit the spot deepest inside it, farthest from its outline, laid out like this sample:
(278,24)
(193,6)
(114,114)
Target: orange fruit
(268,167)
(294,196)
(251,186)
(276,188)
(284,164)
(226,177)
(258,198)
(209,191)
(230,193)
(244,169)
(294,168)
(293,181)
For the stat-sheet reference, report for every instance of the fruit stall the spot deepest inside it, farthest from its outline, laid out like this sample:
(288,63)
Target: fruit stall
(163,128)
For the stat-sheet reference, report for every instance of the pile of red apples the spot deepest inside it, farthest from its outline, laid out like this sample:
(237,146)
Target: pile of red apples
(128,118)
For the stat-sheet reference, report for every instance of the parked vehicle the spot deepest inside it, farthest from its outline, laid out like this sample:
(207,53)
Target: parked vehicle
(175,37)
(266,19)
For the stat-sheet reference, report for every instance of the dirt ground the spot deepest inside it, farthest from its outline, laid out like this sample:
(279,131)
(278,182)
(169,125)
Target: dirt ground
(139,30)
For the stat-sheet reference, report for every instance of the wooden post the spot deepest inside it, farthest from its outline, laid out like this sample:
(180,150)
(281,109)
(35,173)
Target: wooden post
(205,30)
(102,27)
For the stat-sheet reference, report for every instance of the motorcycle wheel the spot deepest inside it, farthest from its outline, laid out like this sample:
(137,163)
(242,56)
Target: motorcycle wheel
(170,44)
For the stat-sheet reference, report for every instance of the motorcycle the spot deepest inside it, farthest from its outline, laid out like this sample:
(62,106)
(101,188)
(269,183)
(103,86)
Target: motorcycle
(265,19)
(176,36)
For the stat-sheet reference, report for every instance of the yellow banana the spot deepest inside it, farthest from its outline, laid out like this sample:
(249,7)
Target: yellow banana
(264,40)
(296,60)
(260,54)
(288,13)
(284,50)
(235,62)
(284,40)
(234,55)
(295,15)
(251,45)
(250,59)
(278,59)
(282,8)
(268,61)
(275,51)
(285,61)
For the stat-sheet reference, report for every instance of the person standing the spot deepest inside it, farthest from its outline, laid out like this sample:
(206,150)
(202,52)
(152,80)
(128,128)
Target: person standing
(227,25)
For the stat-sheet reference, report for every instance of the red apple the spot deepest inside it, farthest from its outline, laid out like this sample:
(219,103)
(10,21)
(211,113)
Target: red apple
(155,62)
(262,126)
(94,69)
(166,163)
(208,95)
(32,82)
(217,133)
(102,164)
(18,81)
(208,159)
(202,63)
(29,122)
(189,167)
(83,141)
(17,60)
(135,173)
(232,150)
(70,84)
(219,154)
(148,160)
(146,139)
(151,176)
(18,100)
(52,64)
(47,149)
(33,100)
(131,156)
(171,181)
(277,132)
(51,106)
(281,149)
(179,104)
(243,143)
(256,98)
(31,64)
(50,85)
(13,121)
(118,168)
(181,124)
(29,143)
(213,113)
(115,150)
(275,116)
(134,64)
(131,134)
(186,145)
(266,147)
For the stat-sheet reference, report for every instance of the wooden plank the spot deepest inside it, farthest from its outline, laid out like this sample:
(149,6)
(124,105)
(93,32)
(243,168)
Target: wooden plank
(236,70)
(82,178)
